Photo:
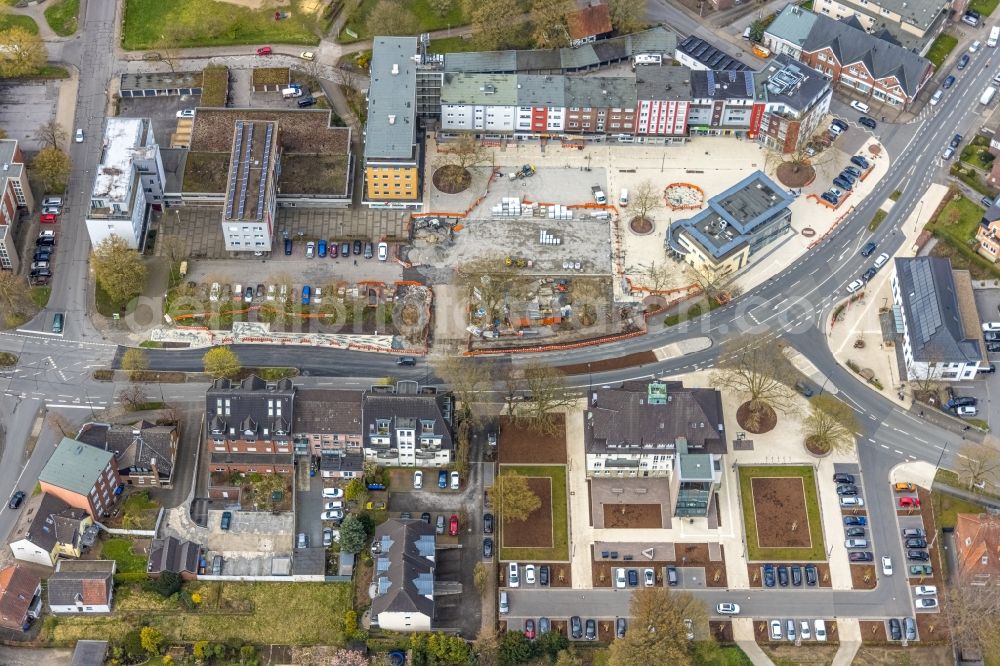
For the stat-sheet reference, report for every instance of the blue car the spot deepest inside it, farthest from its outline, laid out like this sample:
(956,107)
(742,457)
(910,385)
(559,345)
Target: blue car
(963,61)
(856,520)
(306,293)
(288,246)
(848,176)
(948,83)
(322,248)
(227,519)
(769,575)
(859,161)
(442,479)
(843,184)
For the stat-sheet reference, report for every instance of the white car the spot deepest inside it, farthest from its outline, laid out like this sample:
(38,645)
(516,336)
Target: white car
(336,514)
(383,251)
(851,501)
(837,192)
(925,590)
(307,55)
(620,579)
(854,286)
(886,565)
(926,603)
(650,577)
(456,481)
(332,493)
(317,297)
(270,292)
(775,630)
(185,113)
(310,249)
(820,627)
(418,480)
(804,630)
(728,608)
(966,410)
(333,506)
(213,294)
(513,580)
(937,97)
(991,326)
(529,574)
(974,46)
(859,106)
(79,135)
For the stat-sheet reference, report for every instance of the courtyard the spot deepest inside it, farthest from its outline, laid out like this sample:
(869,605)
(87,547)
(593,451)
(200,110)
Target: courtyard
(632,503)
(781,513)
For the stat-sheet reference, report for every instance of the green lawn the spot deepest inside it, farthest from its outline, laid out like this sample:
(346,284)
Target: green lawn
(560,515)
(11,20)
(120,550)
(877,220)
(427,19)
(754,552)
(259,613)
(40,296)
(950,478)
(63,17)
(956,227)
(973,178)
(946,508)
(211,23)
(977,153)
(984,7)
(942,46)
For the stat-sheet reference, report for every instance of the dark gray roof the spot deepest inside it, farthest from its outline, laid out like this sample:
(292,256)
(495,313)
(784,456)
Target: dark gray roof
(341,462)
(663,83)
(930,306)
(327,412)
(54,522)
(706,84)
(710,57)
(223,457)
(992,214)
(88,582)
(404,568)
(390,132)
(622,420)
(600,91)
(90,653)
(813,32)
(407,410)
(172,554)
(253,405)
(791,83)
(134,446)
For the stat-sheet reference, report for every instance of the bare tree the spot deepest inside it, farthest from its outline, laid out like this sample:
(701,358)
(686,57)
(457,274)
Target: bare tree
(132,397)
(656,276)
(978,463)
(50,134)
(461,155)
(755,368)
(545,392)
(831,423)
(350,85)
(490,283)
(645,199)
(467,377)
(708,280)
(973,613)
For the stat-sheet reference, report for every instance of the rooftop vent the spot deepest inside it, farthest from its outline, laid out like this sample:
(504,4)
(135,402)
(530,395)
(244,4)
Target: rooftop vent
(392,119)
(395,68)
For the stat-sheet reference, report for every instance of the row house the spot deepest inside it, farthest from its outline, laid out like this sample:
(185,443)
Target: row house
(15,197)
(911,20)
(874,68)
(249,426)
(407,426)
(327,421)
(144,452)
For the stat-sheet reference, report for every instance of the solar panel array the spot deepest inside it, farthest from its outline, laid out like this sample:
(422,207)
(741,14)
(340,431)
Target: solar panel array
(732,76)
(233,170)
(923,302)
(245,170)
(263,181)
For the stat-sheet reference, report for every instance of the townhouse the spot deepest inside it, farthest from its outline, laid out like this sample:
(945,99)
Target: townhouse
(407,426)
(405,561)
(144,452)
(248,426)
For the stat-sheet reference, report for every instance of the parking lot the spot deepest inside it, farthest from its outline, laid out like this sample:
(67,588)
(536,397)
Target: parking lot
(254,543)
(25,108)
(162,112)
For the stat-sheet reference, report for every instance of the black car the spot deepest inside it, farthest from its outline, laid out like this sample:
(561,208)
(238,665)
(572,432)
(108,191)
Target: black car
(916,542)
(810,574)
(963,61)
(43,254)
(426,517)
(847,489)
(16,499)
(858,556)
(783,576)
(227,519)
(853,170)
(633,578)
(837,122)
(620,626)
(487,548)
(843,477)
(843,184)
(963,400)
(829,196)
(854,532)
(575,628)
(918,555)
(804,389)
(307,101)
(487,523)
(993,347)
(948,82)
(869,274)
(859,161)
(955,141)
(288,246)
(357,247)
(991,336)
(369,250)
(591,631)
(768,575)
(867,250)
(797,576)
(543,575)
(895,631)
(988,369)
(867,122)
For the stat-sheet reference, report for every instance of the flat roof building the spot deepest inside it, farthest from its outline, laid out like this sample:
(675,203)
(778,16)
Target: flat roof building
(251,187)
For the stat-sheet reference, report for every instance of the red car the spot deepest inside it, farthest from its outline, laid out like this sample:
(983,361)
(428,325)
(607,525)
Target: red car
(264,50)
(453,526)
(49,218)
(905,502)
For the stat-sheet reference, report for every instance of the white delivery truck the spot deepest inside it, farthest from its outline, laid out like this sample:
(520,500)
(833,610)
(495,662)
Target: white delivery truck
(987,95)
(994,36)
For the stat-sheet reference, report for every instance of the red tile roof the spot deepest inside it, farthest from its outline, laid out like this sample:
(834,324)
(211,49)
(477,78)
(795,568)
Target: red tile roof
(977,539)
(17,588)
(592,20)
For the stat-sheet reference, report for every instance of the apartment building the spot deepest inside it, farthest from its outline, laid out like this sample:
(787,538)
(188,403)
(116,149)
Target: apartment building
(914,18)
(664,101)
(82,476)
(248,426)
(936,318)
(392,146)
(988,233)
(407,426)
(129,181)
(16,198)
(874,68)
(795,100)
(736,224)
(251,187)
(327,421)
(405,561)
(144,452)
(977,540)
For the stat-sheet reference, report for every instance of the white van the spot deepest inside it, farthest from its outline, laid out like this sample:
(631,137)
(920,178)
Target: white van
(994,36)
(504,603)
(819,628)
(623,198)
(291,92)
(513,580)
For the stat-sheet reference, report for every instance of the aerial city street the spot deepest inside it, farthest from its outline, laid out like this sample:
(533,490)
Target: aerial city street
(514,332)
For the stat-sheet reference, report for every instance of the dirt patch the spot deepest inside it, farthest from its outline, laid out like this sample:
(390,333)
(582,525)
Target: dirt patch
(640,225)
(779,506)
(863,577)
(452,179)
(628,361)
(635,516)
(758,424)
(795,174)
(715,575)
(816,446)
(560,576)
(536,531)
(872,632)
(722,631)
(690,554)
(932,628)
(913,654)
(362,579)
(520,444)
(808,653)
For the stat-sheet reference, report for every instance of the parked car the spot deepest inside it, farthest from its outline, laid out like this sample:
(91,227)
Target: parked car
(963,61)
(357,247)
(905,502)
(310,249)
(830,197)
(418,480)
(529,628)
(905,486)
(575,627)
(796,575)
(921,570)
(185,113)
(543,575)
(727,608)
(955,141)
(426,517)
(487,523)
(843,184)
(916,542)
(321,248)
(768,575)
(16,500)
(307,55)
(918,555)
(851,501)
(227,519)
(948,82)
(860,161)
(926,603)
(810,574)
(649,577)
(383,251)
(860,556)
(867,122)
(453,526)
(334,249)
(456,481)
(910,628)
(895,630)
(804,389)
(336,514)
(854,532)
(369,251)
(856,520)
(621,626)
(439,529)
(328,537)
(264,50)
(442,479)
(909,532)
(847,489)
(333,493)
(775,626)
(840,124)
(79,135)
(843,477)
(306,294)
(620,578)
(855,544)
(869,274)
(783,575)
(966,411)
(633,578)
(544,626)
(590,632)
(529,574)
(302,540)
(345,249)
